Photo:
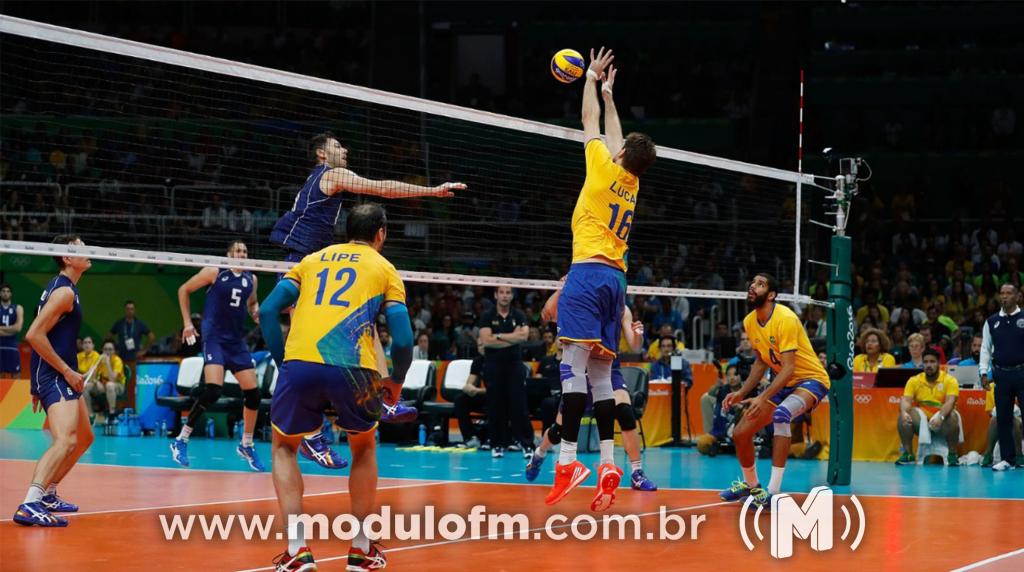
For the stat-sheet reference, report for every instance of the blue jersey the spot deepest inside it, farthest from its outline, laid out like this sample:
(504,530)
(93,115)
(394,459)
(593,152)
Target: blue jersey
(227,305)
(8,317)
(309,226)
(63,336)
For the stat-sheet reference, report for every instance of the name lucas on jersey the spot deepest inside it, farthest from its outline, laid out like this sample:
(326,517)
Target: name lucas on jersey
(617,189)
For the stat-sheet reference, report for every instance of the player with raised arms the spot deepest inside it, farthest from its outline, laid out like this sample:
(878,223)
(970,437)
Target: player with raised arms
(800,383)
(230,297)
(634,334)
(309,227)
(57,385)
(590,307)
(331,360)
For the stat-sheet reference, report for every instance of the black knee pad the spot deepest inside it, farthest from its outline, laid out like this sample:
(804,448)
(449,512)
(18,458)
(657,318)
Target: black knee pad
(624,414)
(210,395)
(251,399)
(555,434)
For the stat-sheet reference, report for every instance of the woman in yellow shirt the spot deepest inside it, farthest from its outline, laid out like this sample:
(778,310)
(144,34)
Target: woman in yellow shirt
(876,352)
(108,380)
(88,356)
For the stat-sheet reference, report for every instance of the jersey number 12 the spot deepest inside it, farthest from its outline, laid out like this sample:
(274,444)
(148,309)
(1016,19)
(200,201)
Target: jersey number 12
(346,276)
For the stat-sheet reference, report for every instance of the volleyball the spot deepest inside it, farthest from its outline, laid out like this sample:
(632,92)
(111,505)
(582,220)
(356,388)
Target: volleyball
(567,66)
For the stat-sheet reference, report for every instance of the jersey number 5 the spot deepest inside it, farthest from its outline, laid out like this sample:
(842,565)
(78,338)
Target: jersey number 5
(346,276)
(236,299)
(624,224)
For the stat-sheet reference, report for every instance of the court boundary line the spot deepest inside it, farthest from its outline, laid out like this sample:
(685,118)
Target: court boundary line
(529,484)
(232,501)
(495,536)
(986,561)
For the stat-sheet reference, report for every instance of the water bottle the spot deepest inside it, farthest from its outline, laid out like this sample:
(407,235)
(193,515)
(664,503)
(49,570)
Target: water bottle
(210,431)
(163,428)
(239,428)
(423,434)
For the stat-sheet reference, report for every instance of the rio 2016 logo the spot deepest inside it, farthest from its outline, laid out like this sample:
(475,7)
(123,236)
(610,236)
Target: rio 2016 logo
(811,521)
(851,336)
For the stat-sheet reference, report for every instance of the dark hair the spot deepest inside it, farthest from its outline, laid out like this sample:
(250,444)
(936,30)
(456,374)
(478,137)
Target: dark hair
(773,284)
(319,141)
(638,153)
(6,285)
(132,302)
(669,338)
(364,221)
(930,352)
(63,239)
(233,243)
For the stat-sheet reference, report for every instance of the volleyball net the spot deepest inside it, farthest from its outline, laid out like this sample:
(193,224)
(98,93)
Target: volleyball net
(160,156)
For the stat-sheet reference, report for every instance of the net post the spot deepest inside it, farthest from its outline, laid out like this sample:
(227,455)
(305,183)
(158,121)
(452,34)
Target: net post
(841,335)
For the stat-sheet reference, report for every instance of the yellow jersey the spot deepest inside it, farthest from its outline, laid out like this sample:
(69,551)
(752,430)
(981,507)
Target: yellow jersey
(116,367)
(85,361)
(861,363)
(341,290)
(604,210)
(784,333)
(931,396)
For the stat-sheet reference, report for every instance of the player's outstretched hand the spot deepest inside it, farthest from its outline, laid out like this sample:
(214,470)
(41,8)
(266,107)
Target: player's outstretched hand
(609,82)
(445,190)
(599,62)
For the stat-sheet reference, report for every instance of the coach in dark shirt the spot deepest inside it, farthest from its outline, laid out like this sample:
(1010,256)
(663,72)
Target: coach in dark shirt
(502,330)
(1002,363)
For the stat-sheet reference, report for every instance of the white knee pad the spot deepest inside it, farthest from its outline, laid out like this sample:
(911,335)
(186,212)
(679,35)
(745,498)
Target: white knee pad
(573,369)
(790,408)
(600,373)
(782,430)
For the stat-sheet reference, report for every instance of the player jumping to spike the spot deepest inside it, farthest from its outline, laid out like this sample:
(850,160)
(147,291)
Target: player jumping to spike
(800,383)
(309,227)
(230,296)
(590,307)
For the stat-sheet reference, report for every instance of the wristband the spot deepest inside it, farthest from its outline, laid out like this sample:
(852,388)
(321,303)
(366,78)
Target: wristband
(591,74)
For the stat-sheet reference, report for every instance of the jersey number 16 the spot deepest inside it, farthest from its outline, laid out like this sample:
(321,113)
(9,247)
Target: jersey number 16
(624,224)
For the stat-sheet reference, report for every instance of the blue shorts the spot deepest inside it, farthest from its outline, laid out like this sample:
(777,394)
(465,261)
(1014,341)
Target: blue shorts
(590,307)
(233,356)
(815,388)
(10,359)
(305,389)
(52,389)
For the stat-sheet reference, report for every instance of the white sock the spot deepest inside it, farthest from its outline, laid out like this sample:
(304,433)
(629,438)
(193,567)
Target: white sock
(52,489)
(247,439)
(608,452)
(35,492)
(775,482)
(186,432)
(297,539)
(361,541)
(750,475)
(637,465)
(540,452)
(567,455)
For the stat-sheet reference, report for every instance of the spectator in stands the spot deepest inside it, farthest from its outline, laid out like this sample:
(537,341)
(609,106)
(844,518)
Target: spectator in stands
(13,218)
(473,399)
(550,345)
(933,294)
(710,402)
(876,352)
(466,337)
(915,348)
(240,219)
(108,379)
(724,344)
(899,343)
(422,349)
(87,356)
(654,351)
(930,397)
(910,317)
(959,262)
(1013,274)
(39,218)
(974,358)
(668,315)
(662,369)
(132,337)
(215,215)
(1010,246)
(986,285)
(442,341)
(871,303)
(958,301)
